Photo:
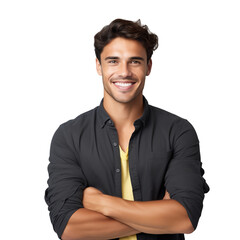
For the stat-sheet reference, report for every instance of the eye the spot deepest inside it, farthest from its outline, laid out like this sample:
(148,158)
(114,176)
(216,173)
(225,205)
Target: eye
(135,62)
(112,62)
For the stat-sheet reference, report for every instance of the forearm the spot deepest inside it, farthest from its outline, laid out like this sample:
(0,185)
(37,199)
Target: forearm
(155,217)
(88,225)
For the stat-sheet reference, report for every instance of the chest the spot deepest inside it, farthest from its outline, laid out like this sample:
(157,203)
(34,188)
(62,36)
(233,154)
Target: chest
(124,136)
(148,160)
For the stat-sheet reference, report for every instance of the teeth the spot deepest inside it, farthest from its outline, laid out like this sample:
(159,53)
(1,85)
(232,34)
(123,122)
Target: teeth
(123,84)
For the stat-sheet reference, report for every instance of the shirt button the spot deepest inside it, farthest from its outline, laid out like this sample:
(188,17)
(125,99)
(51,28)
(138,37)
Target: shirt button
(114,144)
(117,170)
(109,121)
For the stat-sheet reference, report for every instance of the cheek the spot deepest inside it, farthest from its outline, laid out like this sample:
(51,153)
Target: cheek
(109,74)
(142,73)
(106,71)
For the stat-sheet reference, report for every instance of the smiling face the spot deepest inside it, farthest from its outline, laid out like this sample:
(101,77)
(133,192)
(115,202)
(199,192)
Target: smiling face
(123,69)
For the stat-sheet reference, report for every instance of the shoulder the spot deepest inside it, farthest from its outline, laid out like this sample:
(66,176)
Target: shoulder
(75,126)
(162,115)
(80,119)
(178,130)
(168,120)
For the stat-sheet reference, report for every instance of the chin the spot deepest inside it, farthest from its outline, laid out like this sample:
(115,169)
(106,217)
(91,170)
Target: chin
(122,97)
(126,99)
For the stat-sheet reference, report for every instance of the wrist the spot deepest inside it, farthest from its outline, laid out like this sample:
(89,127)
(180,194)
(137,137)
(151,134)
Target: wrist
(105,203)
(111,205)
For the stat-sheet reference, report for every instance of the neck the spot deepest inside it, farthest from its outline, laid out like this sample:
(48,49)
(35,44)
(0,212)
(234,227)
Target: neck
(123,114)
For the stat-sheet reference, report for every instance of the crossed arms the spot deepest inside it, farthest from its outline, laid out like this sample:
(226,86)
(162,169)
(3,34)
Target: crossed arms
(108,217)
(81,212)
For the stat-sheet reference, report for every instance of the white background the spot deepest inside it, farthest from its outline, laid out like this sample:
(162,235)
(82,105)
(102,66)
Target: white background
(47,73)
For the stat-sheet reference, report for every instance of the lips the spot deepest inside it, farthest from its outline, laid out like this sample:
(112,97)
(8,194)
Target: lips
(123,84)
(126,85)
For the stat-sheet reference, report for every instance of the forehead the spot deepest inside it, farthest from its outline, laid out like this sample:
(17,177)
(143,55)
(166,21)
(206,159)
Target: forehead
(124,48)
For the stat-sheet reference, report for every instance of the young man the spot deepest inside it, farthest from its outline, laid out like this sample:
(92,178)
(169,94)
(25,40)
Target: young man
(125,169)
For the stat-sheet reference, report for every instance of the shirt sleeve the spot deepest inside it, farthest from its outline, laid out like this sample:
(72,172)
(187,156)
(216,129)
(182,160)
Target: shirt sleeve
(184,178)
(66,181)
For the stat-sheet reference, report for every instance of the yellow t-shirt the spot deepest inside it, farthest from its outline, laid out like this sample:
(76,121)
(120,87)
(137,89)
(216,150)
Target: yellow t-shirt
(127,192)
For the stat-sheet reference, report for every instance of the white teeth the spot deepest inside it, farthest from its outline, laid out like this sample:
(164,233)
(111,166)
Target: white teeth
(123,84)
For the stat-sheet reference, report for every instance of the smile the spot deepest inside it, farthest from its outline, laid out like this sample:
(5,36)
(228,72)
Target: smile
(124,85)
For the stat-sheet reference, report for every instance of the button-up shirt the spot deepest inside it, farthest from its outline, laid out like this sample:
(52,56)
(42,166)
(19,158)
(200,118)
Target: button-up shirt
(163,155)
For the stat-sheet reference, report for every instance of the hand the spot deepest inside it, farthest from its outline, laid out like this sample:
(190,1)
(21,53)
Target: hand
(92,199)
(167,196)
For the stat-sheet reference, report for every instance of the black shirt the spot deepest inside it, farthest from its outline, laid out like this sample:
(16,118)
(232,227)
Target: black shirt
(163,154)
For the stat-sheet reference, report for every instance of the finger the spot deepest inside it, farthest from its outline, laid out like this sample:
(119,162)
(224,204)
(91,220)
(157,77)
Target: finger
(167,195)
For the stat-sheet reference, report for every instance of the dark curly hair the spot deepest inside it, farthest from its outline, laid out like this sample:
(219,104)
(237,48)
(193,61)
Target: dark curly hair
(126,29)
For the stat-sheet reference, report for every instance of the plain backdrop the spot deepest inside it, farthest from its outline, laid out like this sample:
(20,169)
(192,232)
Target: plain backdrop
(48,76)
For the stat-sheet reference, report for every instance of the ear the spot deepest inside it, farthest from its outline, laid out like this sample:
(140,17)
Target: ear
(149,67)
(98,67)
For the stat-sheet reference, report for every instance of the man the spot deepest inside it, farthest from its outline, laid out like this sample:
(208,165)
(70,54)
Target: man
(125,169)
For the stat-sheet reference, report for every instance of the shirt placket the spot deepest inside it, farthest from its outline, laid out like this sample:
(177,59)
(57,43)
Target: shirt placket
(113,135)
(133,158)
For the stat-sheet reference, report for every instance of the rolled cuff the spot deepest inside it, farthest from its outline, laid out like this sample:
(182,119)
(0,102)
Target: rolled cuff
(62,210)
(193,208)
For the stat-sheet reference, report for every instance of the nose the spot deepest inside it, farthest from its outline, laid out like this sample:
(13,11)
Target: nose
(125,70)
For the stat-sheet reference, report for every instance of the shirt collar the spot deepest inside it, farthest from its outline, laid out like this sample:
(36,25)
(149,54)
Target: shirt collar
(104,117)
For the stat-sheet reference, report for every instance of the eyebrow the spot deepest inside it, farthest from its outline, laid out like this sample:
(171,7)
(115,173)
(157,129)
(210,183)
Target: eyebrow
(137,58)
(131,58)
(111,57)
